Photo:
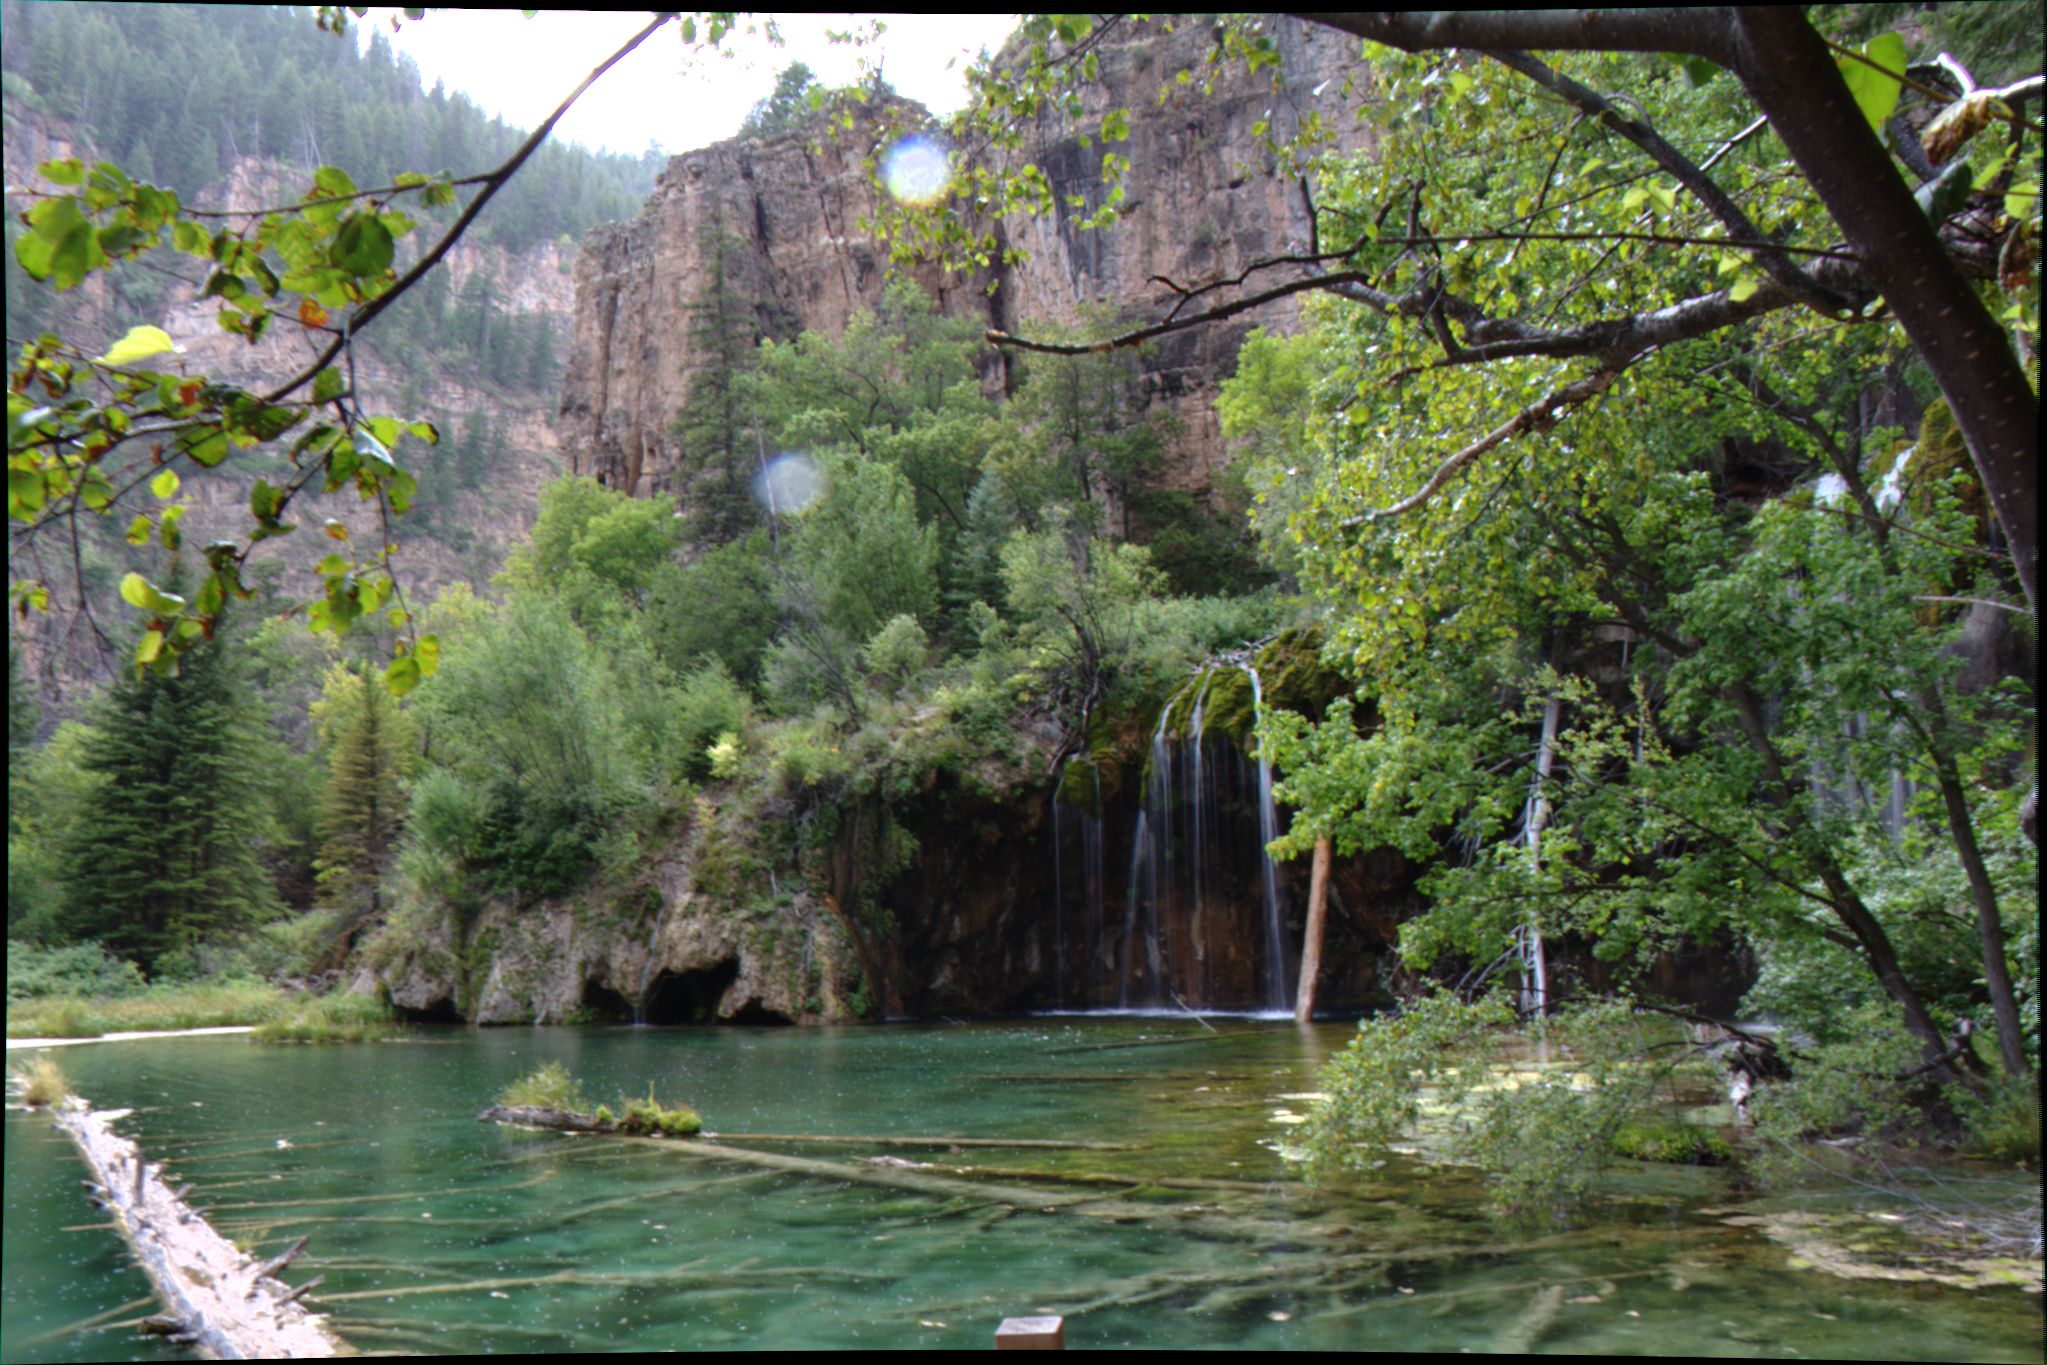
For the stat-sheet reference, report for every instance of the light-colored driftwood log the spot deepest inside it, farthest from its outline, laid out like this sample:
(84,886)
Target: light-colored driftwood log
(220,1300)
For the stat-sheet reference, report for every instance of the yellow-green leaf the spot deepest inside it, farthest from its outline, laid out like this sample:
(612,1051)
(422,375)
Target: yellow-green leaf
(140,344)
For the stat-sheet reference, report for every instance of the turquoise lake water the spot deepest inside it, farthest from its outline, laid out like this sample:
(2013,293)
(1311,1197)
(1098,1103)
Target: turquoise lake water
(440,1234)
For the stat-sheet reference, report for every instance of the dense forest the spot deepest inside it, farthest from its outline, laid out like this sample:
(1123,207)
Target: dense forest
(1627,644)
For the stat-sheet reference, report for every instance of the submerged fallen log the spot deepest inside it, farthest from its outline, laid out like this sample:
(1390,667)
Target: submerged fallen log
(569,1121)
(219,1299)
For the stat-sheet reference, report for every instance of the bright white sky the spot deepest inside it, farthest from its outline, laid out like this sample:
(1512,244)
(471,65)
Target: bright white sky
(521,68)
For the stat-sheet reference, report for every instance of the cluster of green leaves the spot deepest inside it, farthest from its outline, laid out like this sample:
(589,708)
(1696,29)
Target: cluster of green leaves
(68,415)
(1441,1076)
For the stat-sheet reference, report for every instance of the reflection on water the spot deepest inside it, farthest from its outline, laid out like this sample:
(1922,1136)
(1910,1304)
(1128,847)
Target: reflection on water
(1178,1227)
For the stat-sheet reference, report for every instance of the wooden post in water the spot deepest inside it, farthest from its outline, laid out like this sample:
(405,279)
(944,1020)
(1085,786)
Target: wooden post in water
(1031,1334)
(1311,939)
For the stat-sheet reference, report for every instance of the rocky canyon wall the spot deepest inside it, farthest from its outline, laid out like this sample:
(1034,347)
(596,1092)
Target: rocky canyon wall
(1201,203)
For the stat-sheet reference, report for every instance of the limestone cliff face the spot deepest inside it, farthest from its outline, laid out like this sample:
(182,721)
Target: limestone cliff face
(1200,203)
(783,213)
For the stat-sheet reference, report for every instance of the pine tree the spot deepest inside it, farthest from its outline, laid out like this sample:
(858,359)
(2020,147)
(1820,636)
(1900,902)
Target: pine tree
(720,442)
(173,853)
(370,747)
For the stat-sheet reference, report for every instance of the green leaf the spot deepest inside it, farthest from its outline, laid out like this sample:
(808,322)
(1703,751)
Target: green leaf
(207,445)
(138,591)
(266,499)
(138,529)
(331,182)
(428,653)
(363,246)
(2023,199)
(69,171)
(1876,91)
(148,647)
(327,385)
(402,676)
(165,484)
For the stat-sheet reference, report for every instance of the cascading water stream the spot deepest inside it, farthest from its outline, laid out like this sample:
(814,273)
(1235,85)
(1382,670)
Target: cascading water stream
(1058,894)
(1277,977)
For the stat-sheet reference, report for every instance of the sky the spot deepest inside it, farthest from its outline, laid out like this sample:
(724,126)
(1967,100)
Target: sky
(520,68)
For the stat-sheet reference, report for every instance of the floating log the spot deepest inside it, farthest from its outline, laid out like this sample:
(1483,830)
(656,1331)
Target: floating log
(568,1121)
(1046,1144)
(216,1296)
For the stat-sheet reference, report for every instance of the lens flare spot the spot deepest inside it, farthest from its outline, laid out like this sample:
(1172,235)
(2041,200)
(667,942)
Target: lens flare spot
(915,170)
(788,484)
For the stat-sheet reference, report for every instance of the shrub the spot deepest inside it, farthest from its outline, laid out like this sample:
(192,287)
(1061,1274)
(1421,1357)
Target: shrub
(1846,1086)
(42,1082)
(2005,1124)
(1676,1144)
(650,1118)
(1545,1135)
(84,969)
(548,1086)
(710,706)
(337,1018)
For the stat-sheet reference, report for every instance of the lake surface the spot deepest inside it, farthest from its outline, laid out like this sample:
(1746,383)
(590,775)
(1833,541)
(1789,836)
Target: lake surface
(439,1234)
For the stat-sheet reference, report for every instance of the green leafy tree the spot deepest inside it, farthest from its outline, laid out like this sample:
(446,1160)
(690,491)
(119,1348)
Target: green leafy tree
(596,550)
(856,558)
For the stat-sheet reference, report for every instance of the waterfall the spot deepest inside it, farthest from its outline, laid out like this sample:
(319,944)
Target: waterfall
(1058,894)
(1203,913)
(1076,920)
(1277,977)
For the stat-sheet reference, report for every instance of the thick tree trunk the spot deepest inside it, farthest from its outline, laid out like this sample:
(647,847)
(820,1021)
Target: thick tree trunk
(1311,939)
(1791,75)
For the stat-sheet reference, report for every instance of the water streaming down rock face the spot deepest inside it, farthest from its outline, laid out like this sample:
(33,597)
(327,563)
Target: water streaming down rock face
(1203,914)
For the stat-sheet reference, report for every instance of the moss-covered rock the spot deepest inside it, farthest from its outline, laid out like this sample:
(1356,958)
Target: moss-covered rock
(1294,675)
(1941,454)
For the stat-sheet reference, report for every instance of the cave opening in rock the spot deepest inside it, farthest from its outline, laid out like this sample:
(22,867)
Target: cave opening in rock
(688,997)
(604,1006)
(441,1011)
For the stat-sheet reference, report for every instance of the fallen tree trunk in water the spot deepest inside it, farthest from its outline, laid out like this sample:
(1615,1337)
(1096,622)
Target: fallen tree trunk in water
(220,1301)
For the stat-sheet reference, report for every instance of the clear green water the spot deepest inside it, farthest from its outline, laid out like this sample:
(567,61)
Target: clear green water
(402,1190)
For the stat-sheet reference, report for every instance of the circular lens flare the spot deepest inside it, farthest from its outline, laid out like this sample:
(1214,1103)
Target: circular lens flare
(787,485)
(915,170)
